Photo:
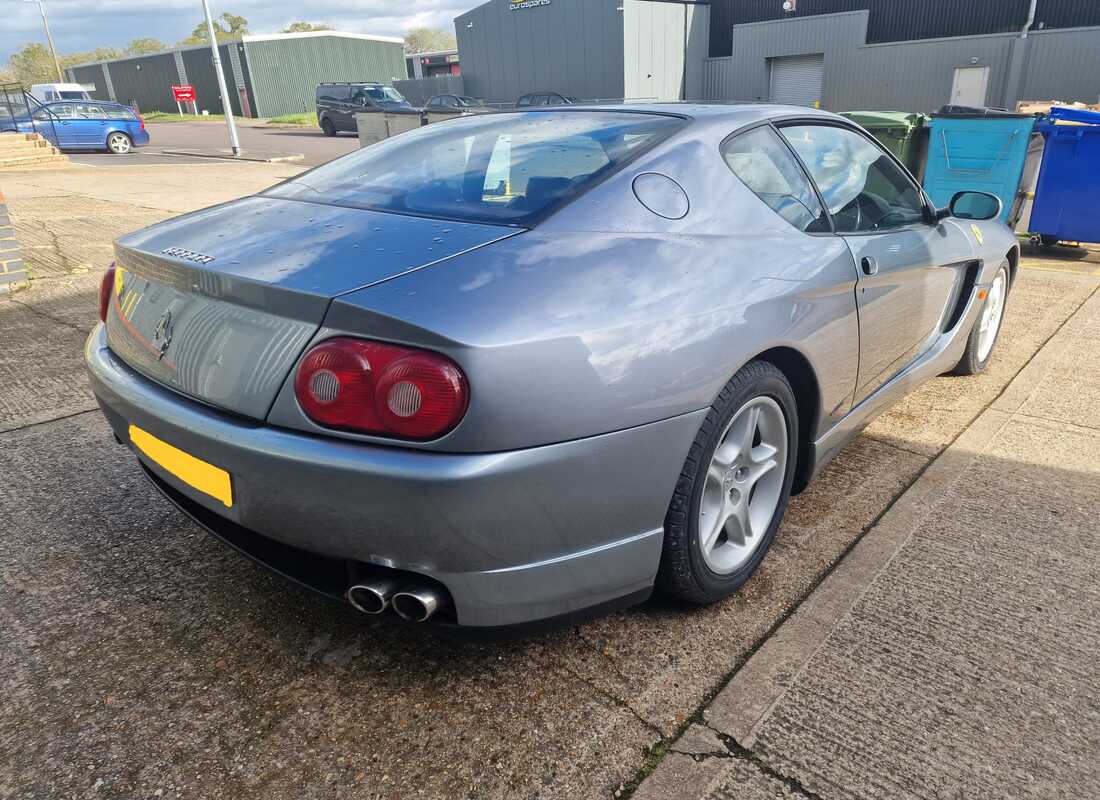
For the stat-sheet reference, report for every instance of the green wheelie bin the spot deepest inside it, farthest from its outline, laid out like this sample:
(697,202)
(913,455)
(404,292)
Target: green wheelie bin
(902,133)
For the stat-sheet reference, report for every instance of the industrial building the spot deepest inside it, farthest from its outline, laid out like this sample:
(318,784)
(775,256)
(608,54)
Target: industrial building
(915,55)
(432,65)
(590,49)
(267,75)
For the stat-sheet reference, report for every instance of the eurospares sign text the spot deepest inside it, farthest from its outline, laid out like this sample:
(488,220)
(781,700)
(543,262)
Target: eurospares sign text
(516,5)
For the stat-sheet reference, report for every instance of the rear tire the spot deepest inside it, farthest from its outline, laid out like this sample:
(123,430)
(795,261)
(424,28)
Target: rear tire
(728,501)
(987,328)
(119,143)
(327,127)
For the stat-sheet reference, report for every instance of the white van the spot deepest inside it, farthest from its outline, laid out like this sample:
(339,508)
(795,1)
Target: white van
(49,92)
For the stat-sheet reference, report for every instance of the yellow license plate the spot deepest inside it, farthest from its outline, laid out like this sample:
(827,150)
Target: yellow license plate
(195,472)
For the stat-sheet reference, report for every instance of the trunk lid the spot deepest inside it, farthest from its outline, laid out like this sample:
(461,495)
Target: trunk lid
(219,304)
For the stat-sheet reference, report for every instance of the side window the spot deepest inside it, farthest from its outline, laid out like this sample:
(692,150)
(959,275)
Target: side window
(766,166)
(523,101)
(863,188)
(81,111)
(62,110)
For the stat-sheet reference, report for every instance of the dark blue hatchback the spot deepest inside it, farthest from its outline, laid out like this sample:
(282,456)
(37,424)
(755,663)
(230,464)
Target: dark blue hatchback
(87,125)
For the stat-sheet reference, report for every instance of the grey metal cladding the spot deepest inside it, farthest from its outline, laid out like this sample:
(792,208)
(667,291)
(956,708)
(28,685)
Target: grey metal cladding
(574,47)
(92,74)
(146,81)
(284,73)
(200,71)
(419,90)
(1062,64)
(902,20)
(911,76)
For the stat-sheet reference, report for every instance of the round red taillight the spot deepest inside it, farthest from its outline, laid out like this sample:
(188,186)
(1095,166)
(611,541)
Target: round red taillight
(106,286)
(370,387)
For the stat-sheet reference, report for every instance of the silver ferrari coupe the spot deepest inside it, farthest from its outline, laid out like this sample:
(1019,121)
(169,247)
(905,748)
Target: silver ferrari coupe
(514,367)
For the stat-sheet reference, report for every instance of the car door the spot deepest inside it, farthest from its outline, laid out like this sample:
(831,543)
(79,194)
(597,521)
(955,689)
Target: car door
(911,271)
(89,125)
(343,116)
(57,119)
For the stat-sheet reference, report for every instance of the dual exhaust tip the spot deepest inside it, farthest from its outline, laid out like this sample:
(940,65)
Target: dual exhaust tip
(415,604)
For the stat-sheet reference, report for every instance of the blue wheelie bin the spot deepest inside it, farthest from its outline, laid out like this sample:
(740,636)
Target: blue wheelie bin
(977,149)
(1067,197)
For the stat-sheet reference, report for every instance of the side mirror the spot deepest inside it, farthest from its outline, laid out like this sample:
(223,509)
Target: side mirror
(975,205)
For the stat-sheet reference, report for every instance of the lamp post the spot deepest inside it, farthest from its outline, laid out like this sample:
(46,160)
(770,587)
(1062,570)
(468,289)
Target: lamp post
(49,39)
(227,107)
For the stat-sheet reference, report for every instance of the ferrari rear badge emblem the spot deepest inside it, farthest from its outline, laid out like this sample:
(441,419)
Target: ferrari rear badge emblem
(162,334)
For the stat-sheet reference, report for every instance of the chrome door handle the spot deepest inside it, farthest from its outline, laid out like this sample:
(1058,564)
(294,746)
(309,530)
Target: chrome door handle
(868,265)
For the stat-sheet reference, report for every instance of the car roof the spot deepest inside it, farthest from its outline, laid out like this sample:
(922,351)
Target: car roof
(71,100)
(724,114)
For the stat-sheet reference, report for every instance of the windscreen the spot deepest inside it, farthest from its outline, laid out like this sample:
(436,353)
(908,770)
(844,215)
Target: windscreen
(74,95)
(383,94)
(502,168)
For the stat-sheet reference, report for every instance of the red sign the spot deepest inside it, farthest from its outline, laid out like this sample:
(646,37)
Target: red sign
(184,94)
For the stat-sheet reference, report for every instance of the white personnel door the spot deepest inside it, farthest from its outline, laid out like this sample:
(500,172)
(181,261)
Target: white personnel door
(969,86)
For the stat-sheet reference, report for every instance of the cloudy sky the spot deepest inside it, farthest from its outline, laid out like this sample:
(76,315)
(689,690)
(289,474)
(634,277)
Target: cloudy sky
(81,25)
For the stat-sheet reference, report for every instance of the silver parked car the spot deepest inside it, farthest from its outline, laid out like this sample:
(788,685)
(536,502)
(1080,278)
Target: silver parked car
(535,363)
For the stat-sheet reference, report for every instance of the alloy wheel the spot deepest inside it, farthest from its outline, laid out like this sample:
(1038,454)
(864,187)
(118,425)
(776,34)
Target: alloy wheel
(744,485)
(118,143)
(990,322)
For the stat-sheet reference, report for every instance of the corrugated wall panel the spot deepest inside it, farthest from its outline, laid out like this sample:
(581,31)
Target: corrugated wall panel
(1062,65)
(1066,13)
(903,76)
(145,81)
(419,90)
(914,76)
(903,20)
(91,74)
(284,73)
(200,74)
(574,47)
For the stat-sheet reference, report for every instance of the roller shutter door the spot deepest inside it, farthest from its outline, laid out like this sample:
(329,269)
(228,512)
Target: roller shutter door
(797,80)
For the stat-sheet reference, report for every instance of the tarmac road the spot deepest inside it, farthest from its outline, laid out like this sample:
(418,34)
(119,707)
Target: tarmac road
(310,142)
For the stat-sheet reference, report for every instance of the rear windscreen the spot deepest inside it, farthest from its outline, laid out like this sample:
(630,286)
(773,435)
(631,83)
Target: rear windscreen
(503,168)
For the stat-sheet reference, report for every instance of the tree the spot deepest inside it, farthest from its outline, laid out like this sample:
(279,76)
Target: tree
(99,54)
(227,26)
(428,40)
(32,63)
(143,45)
(305,27)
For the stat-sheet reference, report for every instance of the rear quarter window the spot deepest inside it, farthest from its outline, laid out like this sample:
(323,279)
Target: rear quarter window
(765,165)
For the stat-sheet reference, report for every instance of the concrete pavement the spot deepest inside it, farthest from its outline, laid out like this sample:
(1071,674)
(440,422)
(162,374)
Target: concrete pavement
(137,655)
(953,652)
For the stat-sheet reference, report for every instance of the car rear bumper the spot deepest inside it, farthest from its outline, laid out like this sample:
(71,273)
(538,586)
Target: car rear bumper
(514,537)
(140,137)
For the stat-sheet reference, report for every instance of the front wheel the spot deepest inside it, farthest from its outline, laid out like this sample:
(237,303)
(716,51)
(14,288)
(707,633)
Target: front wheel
(119,144)
(327,127)
(979,347)
(734,487)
